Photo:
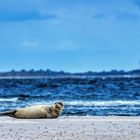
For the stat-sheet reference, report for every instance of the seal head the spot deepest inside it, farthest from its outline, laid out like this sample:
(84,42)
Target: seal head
(59,106)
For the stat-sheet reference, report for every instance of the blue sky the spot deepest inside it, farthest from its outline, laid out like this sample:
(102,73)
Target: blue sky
(70,35)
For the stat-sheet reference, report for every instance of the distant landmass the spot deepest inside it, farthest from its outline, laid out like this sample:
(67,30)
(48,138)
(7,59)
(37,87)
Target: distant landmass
(48,72)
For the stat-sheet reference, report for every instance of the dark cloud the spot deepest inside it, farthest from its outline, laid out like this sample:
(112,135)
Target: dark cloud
(127,16)
(25,16)
(119,15)
(124,10)
(137,2)
(100,16)
(18,10)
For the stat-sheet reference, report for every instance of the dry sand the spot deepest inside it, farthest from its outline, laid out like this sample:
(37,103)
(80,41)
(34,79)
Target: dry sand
(71,128)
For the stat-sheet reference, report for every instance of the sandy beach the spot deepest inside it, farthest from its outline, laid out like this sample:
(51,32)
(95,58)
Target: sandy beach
(71,128)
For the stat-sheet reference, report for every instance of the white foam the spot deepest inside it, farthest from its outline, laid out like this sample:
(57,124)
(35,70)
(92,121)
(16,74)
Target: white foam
(8,99)
(102,103)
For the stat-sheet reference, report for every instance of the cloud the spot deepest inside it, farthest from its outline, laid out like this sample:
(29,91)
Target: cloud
(118,15)
(116,10)
(25,16)
(30,44)
(137,3)
(67,45)
(99,16)
(127,16)
(18,10)
(29,10)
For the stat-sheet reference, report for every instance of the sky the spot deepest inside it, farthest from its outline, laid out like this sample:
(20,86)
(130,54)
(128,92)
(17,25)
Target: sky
(69,35)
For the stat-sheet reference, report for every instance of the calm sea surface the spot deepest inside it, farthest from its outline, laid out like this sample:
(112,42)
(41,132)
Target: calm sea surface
(81,96)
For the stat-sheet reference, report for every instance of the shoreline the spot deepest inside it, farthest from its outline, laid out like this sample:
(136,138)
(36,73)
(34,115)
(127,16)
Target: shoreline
(71,127)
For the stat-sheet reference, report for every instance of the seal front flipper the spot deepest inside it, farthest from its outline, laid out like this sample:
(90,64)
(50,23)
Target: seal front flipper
(8,113)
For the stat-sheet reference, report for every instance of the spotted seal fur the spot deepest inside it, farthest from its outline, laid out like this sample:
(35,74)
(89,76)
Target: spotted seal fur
(37,111)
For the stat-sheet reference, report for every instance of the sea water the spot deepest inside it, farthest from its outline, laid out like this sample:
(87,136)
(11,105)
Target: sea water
(117,96)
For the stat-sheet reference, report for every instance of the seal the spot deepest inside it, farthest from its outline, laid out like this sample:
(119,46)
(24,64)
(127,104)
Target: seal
(37,112)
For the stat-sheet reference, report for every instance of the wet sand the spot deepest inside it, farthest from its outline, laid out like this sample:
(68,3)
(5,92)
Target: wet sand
(71,128)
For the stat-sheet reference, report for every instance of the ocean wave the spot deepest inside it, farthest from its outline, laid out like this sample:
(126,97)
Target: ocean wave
(9,99)
(103,103)
(92,103)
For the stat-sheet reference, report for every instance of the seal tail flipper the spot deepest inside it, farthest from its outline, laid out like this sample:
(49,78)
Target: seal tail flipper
(8,113)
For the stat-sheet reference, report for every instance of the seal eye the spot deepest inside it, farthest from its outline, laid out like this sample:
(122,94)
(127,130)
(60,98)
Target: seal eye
(60,104)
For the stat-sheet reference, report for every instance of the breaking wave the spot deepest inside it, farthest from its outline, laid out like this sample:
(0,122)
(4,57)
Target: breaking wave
(103,103)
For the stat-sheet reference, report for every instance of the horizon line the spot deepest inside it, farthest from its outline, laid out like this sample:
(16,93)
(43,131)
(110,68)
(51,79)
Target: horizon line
(32,69)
